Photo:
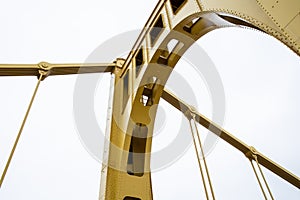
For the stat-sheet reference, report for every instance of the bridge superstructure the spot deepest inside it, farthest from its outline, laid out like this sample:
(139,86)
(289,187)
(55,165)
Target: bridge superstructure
(141,77)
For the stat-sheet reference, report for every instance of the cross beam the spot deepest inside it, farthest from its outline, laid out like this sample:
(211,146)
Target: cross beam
(55,69)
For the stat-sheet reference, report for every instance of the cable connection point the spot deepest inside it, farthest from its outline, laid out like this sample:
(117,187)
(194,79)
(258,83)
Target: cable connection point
(252,154)
(44,69)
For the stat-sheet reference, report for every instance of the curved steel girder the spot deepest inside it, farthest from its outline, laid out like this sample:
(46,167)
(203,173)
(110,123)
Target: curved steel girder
(135,112)
(154,67)
(194,20)
(279,19)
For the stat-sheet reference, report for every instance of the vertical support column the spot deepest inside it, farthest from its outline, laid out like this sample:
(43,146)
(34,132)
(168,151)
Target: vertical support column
(123,174)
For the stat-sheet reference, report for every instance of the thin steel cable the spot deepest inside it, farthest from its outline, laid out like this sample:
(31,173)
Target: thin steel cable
(198,158)
(20,131)
(262,174)
(204,160)
(261,187)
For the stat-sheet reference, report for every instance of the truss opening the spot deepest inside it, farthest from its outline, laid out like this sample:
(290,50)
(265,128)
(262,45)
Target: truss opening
(131,198)
(139,61)
(137,150)
(177,5)
(147,95)
(156,30)
(125,89)
(173,47)
(146,98)
(188,27)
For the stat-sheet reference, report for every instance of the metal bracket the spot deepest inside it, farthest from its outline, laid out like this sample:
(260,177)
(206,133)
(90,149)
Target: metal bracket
(44,69)
(120,62)
(252,154)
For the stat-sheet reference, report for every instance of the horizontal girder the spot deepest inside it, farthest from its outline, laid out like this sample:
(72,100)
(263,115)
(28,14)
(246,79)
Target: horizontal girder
(54,69)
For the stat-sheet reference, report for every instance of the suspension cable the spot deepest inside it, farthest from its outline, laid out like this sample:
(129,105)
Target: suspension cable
(252,155)
(259,182)
(199,162)
(41,74)
(204,160)
(263,176)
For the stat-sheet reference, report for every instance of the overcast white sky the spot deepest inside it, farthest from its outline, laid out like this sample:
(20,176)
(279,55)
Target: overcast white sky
(259,74)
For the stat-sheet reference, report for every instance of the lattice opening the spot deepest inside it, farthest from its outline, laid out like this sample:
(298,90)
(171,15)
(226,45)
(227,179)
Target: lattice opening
(125,89)
(177,5)
(137,150)
(188,27)
(139,61)
(156,30)
(131,198)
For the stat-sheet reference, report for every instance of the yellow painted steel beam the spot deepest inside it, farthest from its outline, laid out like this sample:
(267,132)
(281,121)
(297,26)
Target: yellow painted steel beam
(184,21)
(55,69)
(192,18)
(278,18)
(155,13)
(232,140)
